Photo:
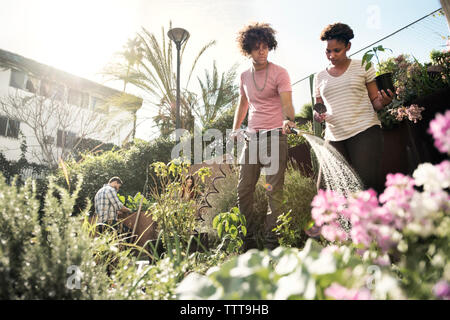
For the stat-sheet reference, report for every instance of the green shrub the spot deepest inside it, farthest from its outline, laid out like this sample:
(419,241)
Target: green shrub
(306,111)
(298,194)
(176,217)
(47,258)
(231,228)
(129,164)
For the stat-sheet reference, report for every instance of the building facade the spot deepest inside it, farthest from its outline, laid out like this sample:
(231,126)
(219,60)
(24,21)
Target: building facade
(53,112)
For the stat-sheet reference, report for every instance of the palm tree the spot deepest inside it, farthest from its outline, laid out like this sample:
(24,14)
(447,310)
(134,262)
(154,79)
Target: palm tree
(154,74)
(132,56)
(217,95)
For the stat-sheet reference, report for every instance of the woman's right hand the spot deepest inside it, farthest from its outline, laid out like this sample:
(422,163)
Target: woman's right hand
(319,117)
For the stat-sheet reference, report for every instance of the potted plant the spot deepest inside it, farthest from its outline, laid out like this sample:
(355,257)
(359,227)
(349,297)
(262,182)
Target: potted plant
(384,80)
(419,96)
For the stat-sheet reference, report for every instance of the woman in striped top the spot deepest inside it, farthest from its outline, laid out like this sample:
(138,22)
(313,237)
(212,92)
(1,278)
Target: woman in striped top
(351,97)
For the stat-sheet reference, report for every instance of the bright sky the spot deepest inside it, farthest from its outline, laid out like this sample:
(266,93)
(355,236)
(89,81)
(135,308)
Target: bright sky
(81,36)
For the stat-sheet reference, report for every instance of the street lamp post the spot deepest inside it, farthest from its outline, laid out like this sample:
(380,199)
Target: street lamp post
(179,36)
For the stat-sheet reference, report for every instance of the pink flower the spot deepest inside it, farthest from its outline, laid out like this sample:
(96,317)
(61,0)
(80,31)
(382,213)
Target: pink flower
(383,260)
(327,205)
(330,249)
(360,235)
(414,113)
(361,205)
(333,232)
(440,129)
(400,90)
(399,188)
(442,290)
(338,292)
(383,216)
(444,168)
(383,235)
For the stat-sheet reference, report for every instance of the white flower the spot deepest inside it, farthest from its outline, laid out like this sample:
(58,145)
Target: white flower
(287,264)
(325,264)
(387,287)
(423,205)
(438,261)
(431,177)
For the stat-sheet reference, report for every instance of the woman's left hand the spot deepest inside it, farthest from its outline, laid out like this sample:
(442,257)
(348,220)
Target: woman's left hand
(384,99)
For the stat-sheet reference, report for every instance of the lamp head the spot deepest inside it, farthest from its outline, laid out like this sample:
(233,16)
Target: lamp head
(178,35)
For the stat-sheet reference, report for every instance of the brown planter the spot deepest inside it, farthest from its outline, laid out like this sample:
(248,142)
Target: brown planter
(395,153)
(300,156)
(437,102)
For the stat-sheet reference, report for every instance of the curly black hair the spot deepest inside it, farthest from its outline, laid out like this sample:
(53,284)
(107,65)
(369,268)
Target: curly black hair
(253,34)
(337,31)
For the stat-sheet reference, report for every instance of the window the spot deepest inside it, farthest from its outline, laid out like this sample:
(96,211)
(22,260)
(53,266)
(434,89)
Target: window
(66,139)
(58,91)
(31,84)
(84,100)
(21,80)
(17,79)
(78,98)
(51,89)
(49,140)
(99,105)
(45,88)
(9,127)
(74,97)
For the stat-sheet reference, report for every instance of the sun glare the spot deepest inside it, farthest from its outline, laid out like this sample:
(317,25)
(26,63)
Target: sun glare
(82,36)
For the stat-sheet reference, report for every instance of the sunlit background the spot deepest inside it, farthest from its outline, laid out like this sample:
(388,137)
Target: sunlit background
(82,36)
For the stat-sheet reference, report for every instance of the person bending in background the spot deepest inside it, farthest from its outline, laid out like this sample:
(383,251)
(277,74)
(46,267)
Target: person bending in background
(107,204)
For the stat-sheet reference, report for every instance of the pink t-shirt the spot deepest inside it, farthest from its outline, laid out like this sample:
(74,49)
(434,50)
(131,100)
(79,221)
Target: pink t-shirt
(264,107)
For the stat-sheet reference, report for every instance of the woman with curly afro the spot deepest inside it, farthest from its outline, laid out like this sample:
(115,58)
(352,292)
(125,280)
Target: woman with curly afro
(266,95)
(351,97)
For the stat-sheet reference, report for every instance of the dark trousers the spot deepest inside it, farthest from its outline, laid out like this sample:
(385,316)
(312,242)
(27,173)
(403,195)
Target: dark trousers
(364,153)
(248,177)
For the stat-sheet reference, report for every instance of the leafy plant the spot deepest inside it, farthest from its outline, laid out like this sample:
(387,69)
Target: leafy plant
(287,234)
(368,56)
(48,254)
(298,192)
(413,80)
(97,169)
(288,273)
(134,202)
(231,227)
(176,218)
